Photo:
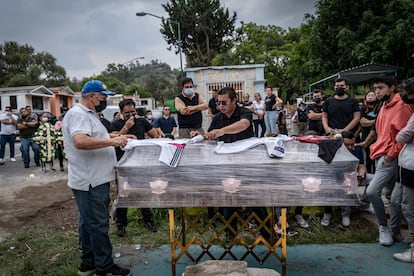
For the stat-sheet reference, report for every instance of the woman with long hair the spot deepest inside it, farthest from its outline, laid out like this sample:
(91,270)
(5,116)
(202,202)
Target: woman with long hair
(258,108)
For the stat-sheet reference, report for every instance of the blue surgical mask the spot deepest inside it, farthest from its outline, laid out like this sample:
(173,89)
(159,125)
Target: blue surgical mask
(188,91)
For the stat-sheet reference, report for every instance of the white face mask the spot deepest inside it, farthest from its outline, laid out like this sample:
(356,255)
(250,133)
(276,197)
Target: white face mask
(45,119)
(188,91)
(149,117)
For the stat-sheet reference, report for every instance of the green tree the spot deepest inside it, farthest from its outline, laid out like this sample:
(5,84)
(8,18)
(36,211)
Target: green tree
(160,88)
(205,29)
(269,45)
(345,34)
(113,84)
(138,90)
(22,65)
(119,71)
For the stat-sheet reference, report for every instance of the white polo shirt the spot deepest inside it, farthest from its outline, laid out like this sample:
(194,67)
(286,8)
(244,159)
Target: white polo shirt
(86,167)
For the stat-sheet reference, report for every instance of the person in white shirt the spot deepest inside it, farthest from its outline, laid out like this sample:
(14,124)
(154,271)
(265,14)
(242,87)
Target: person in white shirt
(7,133)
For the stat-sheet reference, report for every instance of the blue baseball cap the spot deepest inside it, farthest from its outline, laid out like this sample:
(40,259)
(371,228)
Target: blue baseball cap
(96,86)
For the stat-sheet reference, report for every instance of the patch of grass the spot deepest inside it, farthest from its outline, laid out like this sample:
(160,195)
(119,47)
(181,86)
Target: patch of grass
(40,250)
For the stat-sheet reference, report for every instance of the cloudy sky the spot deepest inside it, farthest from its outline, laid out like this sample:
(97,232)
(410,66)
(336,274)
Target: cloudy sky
(86,35)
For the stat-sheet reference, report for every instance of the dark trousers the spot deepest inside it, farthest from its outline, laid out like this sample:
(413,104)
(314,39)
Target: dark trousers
(262,124)
(122,219)
(60,154)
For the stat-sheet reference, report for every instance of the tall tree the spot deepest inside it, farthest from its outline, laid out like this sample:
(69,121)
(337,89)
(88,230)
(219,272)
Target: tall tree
(160,88)
(269,45)
(205,28)
(346,34)
(22,65)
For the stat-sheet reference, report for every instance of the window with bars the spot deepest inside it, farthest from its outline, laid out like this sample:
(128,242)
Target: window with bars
(238,86)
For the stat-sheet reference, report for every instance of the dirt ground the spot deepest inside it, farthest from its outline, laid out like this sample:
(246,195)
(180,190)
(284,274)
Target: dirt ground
(48,203)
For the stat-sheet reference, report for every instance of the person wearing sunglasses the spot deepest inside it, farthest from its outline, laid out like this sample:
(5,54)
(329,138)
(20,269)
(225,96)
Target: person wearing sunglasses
(233,123)
(189,106)
(132,125)
(166,124)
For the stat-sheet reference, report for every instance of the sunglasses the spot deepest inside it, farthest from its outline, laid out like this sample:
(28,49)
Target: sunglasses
(166,109)
(222,103)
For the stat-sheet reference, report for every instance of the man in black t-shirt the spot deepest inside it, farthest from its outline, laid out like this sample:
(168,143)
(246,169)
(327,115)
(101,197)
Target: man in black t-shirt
(315,113)
(212,105)
(340,113)
(233,123)
(131,124)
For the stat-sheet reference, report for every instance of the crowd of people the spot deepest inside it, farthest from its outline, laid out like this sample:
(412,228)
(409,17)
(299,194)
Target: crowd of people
(379,133)
(37,133)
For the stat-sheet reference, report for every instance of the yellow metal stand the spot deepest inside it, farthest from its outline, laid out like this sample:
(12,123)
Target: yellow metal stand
(200,225)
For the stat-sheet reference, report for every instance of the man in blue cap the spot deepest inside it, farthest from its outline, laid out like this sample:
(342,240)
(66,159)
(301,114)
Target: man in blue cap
(91,160)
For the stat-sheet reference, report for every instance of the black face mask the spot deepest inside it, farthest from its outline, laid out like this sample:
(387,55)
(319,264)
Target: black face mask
(407,100)
(340,91)
(101,106)
(317,100)
(385,98)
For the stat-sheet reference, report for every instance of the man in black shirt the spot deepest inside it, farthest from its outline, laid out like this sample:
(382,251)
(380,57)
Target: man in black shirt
(340,113)
(233,123)
(189,106)
(131,124)
(315,113)
(212,104)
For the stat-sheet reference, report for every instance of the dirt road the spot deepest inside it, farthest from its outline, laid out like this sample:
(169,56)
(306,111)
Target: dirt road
(30,196)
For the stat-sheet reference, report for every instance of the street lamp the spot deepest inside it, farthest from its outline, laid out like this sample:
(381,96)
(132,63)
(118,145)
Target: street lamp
(179,36)
(132,60)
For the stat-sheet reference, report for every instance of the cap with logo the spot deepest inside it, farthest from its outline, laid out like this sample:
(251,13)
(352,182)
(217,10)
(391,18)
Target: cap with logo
(96,86)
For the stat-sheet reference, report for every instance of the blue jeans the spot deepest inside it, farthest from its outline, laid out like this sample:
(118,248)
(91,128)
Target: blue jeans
(385,176)
(3,140)
(93,226)
(271,121)
(25,145)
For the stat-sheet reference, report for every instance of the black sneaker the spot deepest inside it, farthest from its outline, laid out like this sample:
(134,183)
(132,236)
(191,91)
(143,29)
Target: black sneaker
(114,270)
(85,270)
(121,230)
(151,227)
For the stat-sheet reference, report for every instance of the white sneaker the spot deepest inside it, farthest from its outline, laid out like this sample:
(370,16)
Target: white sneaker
(326,220)
(13,159)
(367,208)
(346,221)
(1,161)
(301,221)
(385,236)
(406,256)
